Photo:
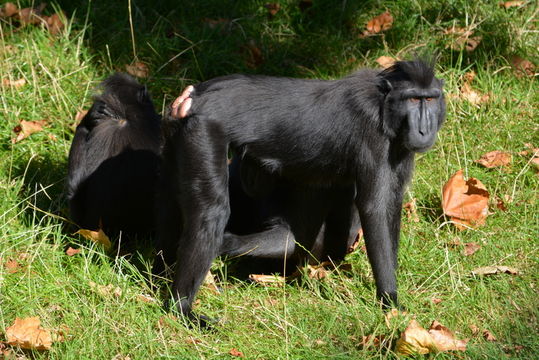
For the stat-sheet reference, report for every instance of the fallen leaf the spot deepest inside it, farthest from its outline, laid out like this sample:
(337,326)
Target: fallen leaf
(317,272)
(355,244)
(192,341)
(415,340)
(492,270)
(445,339)
(488,335)
(393,314)
(27,128)
(267,279)
(386,61)
(106,290)
(436,301)
(522,66)
(121,357)
(500,204)
(510,4)
(96,236)
(495,159)
(55,24)
(138,69)
(273,8)
(254,55)
(9,10)
(372,341)
(209,282)
(461,38)
(146,298)
(378,24)
(475,329)
(470,248)
(411,210)
(235,352)
(214,23)
(70,251)
(27,333)
(472,96)
(31,15)
(12,266)
(465,201)
(14,83)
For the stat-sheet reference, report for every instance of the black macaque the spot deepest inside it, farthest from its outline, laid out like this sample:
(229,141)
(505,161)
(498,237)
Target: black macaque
(114,161)
(352,140)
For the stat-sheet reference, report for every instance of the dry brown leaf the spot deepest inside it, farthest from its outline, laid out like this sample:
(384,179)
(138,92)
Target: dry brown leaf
(30,15)
(500,204)
(317,272)
(535,162)
(522,66)
(461,38)
(267,279)
(12,266)
(146,298)
(510,4)
(386,61)
(235,352)
(14,83)
(209,282)
(475,329)
(359,240)
(70,251)
(411,210)
(473,96)
(415,340)
(214,23)
(372,341)
(436,301)
(494,159)
(254,55)
(273,8)
(465,201)
(9,10)
(445,339)
(27,333)
(393,314)
(488,335)
(55,23)
(492,270)
(106,290)
(96,236)
(27,128)
(470,248)
(138,69)
(379,23)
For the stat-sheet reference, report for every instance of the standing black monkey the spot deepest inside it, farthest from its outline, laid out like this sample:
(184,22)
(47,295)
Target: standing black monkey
(114,160)
(359,132)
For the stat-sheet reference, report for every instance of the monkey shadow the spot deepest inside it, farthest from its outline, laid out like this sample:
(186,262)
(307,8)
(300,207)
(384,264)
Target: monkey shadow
(43,197)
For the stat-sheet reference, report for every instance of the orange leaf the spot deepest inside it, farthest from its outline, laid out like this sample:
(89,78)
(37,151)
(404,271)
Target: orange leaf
(379,23)
(96,236)
(55,25)
(70,251)
(494,159)
(28,334)
(471,248)
(9,10)
(444,339)
(31,15)
(510,4)
(385,61)
(235,352)
(465,201)
(138,69)
(14,83)
(522,66)
(273,8)
(12,266)
(27,128)
(488,335)
(411,210)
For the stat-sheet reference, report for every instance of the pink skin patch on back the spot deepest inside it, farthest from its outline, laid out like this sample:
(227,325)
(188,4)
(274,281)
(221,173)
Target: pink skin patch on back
(182,104)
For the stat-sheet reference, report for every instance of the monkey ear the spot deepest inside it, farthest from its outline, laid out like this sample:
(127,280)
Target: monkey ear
(384,86)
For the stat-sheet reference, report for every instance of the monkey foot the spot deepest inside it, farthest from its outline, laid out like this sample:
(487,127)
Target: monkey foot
(182,104)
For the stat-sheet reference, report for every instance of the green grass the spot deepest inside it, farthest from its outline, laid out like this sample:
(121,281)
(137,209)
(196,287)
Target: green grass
(308,318)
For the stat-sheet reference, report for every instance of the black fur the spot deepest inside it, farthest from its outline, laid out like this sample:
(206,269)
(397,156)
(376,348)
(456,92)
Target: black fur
(114,161)
(338,142)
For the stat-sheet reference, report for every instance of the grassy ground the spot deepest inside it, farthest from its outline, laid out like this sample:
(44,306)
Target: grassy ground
(305,319)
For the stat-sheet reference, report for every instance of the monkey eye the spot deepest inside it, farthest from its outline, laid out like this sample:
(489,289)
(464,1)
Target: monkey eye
(415,99)
(429,99)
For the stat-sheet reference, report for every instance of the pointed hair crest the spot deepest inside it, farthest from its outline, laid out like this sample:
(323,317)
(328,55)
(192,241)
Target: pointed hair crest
(419,71)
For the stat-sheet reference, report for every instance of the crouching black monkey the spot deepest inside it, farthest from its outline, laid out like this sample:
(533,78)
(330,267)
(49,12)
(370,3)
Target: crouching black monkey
(359,132)
(114,161)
